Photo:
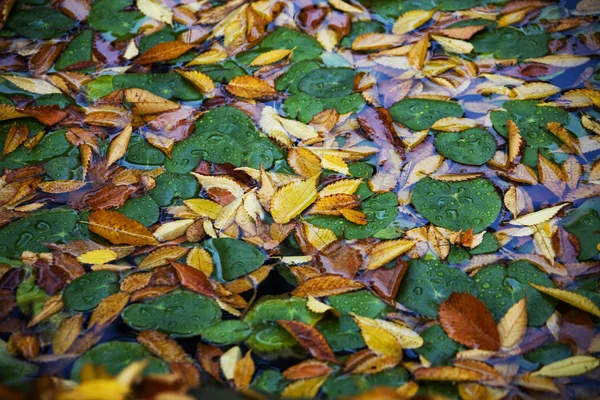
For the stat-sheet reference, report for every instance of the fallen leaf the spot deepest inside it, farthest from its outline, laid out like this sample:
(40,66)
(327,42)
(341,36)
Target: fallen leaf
(229,360)
(201,81)
(172,230)
(17,134)
(99,256)
(290,200)
(411,20)
(571,366)
(119,229)
(326,285)
(385,251)
(32,85)
(164,51)
(109,309)
(156,10)
(310,339)
(193,279)
(538,217)
(243,372)
(303,388)
(572,298)
(270,57)
(513,325)
(68,330)
(250,87)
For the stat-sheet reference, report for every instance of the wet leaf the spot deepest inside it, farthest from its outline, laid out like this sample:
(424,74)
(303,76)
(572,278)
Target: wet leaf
(290,200)
(310,339)
(513,325)
(119,229)
(572,366)
(572,298)
(250,87)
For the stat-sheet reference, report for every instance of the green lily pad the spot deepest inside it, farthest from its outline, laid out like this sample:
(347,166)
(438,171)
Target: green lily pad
(231,331)
(586,226)
(438,348)
(548,354)
(115,355)
(52,145)
(458,205)
(233,258)
(291,309)
(78,50)
(270,382)
(13,371)
(360,28)
(30,297)
(531,120)
(500,287)
(53,226)
(291,78)
(271,339)
(304,106)
(426,284)
(510,42)
(328,82)
(420,114)
(99,87)
(473,146)
(361,302)
(178,313)
(380,210)
(107,16)
(170,186)
(63,168)
(166,34)
(342,334)
(142,209)
(170,85)
(224,72)
(489,244)
(39,22)
(140,152)
(305,46)
(337,386)
(87,291)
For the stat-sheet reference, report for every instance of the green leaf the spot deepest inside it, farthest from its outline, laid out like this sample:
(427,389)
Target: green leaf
(142,209)
(328,82)
(305,47)
(231,331)
(107,16)
(78,50)
(170,186)
(548,354)
(178,313)
(142,153)
(233,258)
(169,85)
(438,348)
(40,22)
(342,334)
(458,205)
(473,146)
(361,302)
(270,382)
(337,386)
(420,114)
(584,226)
(30,297)
(87,291)
(510,42)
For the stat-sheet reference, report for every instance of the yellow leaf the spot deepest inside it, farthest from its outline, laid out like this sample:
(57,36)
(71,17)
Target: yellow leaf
(514,17)
(119,229)
(537,217)
(212,56)
(376,41)
(109,308)
(378,339)
(147,103)
(453,45)
(534,90)
(131,51)
(162,256)
(343,6)
(513,325)
(572,298)
(538,383)
(118,146)
(454,124)
(204,207)
(304,388)
(201,260)
(343,186)
(100,256)
(385,251)
(17,134)
(406,337)
(156,10)
(335,163)
(270,57)
(560,60)
(423,168)
(516,144)
(228,361)
(316,306)
(220,182)
(572,366)
(317,236)
(297,129)
(61,186)
(243,372)
(203,82)
(418,52)
(304,162)
(290,200)
(591,124)
(172,230)
(411,20)
(327,38)
(32,85)
(89,390)
(250,87)
(10,112)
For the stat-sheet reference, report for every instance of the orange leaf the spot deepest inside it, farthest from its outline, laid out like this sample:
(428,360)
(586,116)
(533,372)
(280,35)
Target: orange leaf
(16,135)
(109,309)
(250,87)
(243,372)
(119,229)
(193,279)
(310,339)
(307,369)
(326,285)
(164,52)
(163,346)
(118,146)
(468,321)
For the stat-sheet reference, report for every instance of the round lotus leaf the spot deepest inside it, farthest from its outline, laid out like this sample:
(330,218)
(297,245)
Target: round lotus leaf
(107,16)
(223,72)
(262,152)
(170,186)
(233,258)
(420,114)
(215,147)
(499,287)
(338,386)
(489,244)
(292,309)
(168,85)
(141,209)
(140,152)
(270,382)
(438,348)
(291,78)
(54,226)
(230,121)
(302,106)
(52,145)
(344,104)
(87,291)
(473,146)
(548,354)
(585,227)
(231,331)
(381,210)
(305,46)
(531,121)
(361,302)
(427,283)
(511,42)
(114,356)
(458,205)
(79,50)
(179,313)
(63,168)
(40,22)
(342,334)
(328,82)
(270,338)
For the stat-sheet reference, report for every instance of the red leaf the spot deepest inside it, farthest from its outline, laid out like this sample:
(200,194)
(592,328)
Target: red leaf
(194,279)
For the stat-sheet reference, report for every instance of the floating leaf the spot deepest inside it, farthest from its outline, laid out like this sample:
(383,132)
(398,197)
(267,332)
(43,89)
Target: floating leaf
(572,366)
(572,298)
(155,9)
(290,200)
(411,20)
(513,325)
(250,87)
(119,229)
(310,339)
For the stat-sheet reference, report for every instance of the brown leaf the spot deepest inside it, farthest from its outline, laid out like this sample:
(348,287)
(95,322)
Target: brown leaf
(67,332)
(164,52)
(310,339)
(47,115)
(119,229)
(26,345)
(162,256)
(307,369)
(326,285)
(447,373)
(194,279)
(418,52)
(551,176)
(164,347)
(5,7)
(109,197)
(209,357)
(243,372)
(250,87)
(118,146)
(109,309)
(135,282)
(15,137)
(516,144)
(468,321)
(61,186)
(143,101)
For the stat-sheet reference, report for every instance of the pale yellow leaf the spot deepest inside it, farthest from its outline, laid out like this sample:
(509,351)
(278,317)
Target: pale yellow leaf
(270,57)
(220,182)
(335,163)
(513,324)
(376,41)
(131,51)
(32,85)
(453,45)
(156,10)
(560,60)
(99,256)
(118,146)
(534,90)
(204,207)
(571,366)
(537,217)
(411,20)
(316,306)
(385,251)
(317,236)
(343,186)
(346,7)
(454,124)
(297,129)
(290,200)
(572,298)
(172,230)
(327,38)
(228,361)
